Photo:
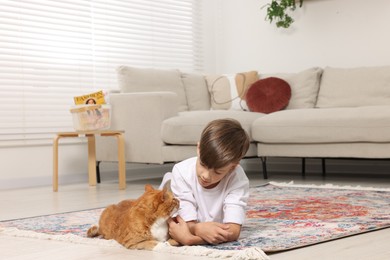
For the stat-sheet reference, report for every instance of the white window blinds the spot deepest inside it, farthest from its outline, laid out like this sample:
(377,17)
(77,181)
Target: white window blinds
(53,50)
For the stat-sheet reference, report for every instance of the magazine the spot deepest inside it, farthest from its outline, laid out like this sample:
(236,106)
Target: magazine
(91,112)
(90,99)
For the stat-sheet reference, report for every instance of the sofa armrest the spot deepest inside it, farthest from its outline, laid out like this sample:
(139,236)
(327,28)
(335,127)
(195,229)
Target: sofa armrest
(140,115)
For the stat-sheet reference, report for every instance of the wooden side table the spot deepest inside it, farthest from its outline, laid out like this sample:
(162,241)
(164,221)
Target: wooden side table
(92,154)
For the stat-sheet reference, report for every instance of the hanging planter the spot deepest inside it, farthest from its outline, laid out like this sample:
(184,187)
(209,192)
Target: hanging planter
(278,12)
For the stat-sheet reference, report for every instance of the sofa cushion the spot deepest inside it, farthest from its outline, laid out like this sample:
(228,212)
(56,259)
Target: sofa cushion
(328,125)
(354,87)
(228,91)
(198,97)
(187,127)
(304,87)
(268,95)
(152,80)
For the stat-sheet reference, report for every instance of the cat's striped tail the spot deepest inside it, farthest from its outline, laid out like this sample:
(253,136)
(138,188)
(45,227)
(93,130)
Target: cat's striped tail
(93,231)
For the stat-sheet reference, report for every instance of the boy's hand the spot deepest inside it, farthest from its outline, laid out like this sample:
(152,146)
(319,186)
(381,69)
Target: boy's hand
(192,233)
(213,232)
(179,231)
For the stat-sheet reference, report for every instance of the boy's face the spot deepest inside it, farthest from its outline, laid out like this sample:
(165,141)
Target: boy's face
(209,178)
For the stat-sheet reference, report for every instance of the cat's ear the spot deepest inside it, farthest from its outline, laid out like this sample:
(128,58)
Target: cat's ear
(167,191)
(148,187)
(167,186)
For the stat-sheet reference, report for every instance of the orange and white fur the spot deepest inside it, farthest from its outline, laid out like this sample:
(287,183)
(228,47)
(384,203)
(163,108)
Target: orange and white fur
(140,223)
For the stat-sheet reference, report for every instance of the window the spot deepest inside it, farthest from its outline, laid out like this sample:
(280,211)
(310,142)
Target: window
(52,50)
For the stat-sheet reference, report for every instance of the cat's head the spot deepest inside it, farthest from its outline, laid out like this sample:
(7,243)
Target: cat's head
(160,202)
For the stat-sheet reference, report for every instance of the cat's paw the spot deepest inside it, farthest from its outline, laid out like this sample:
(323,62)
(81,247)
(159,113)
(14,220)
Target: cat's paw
(93,231)
(144,245)
(173,242)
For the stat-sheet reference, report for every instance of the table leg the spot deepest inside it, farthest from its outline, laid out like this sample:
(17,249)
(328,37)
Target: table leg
(121,161)
(91,160)
(55,163)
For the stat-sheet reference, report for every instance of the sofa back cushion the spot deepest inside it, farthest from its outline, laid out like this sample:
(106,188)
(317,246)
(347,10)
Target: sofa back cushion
(353,87)
(304,87)
(150,80)
(198,97)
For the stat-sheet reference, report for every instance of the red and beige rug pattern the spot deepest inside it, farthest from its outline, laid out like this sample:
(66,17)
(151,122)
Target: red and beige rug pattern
(279,217)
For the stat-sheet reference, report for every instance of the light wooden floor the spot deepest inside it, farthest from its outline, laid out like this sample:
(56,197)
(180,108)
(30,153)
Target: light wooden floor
(41,200)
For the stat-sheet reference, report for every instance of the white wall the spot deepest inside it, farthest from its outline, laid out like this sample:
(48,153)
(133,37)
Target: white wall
(25,166)
(29,166)
(339,33)
(343,33)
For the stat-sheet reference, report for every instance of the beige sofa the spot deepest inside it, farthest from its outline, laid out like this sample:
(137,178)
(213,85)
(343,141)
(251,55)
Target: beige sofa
(332,113)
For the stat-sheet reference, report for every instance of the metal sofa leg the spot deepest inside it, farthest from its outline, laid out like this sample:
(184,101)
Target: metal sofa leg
(323,167)
(98,171)
(303,167)
(264,164)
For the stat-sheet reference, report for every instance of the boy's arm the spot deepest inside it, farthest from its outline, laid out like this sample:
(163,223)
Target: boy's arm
(214,232)
(235,230)
(180,231)
(182,190)
(194,233)
(235,202)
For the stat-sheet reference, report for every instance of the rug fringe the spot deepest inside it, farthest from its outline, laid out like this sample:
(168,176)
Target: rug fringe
(253,253)
(245,254)
(327,186)
(15,232)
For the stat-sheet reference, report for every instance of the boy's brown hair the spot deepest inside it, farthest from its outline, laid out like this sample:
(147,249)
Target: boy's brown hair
(223,141)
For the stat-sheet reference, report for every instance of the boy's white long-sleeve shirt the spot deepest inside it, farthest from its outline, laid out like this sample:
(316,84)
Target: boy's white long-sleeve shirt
(224,203)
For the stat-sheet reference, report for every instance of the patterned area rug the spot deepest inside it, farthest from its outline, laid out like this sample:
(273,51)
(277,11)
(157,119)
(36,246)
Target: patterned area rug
(279,217)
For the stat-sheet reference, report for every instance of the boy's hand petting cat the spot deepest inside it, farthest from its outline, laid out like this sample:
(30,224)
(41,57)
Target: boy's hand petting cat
(213,232)
(179,231)
(194,233)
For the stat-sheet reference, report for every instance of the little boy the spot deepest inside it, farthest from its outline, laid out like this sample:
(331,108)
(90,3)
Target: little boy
(212,187)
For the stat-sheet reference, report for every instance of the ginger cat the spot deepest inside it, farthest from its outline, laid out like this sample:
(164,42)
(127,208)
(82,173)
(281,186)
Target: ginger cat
(138,224)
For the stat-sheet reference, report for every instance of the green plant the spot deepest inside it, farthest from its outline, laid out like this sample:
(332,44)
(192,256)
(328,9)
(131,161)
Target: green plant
(278,10)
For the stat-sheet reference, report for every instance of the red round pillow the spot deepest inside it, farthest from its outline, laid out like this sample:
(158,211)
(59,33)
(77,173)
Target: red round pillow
(268,95)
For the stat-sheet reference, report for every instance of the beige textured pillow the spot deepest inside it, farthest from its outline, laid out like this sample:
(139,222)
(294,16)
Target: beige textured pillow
(228,91)
(304,87)
(354,87)
(198,97)
(149,80)
(219,89)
